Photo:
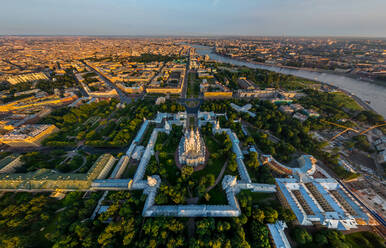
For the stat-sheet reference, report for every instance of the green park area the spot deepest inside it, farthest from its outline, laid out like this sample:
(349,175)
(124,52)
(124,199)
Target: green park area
(193,85)
(102,124)
(59,160)
(261,78)
(46,222)
(333,238)
(184,185)
(276,133)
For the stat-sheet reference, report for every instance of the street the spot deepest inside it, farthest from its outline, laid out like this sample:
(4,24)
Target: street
(122,96)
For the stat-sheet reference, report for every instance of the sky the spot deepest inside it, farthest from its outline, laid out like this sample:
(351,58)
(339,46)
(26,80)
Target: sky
(194,17)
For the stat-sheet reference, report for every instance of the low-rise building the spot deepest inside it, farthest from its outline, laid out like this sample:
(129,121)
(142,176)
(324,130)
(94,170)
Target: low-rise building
(286,109)
(300,117)
(218,94)
(311,113)
(38,101)
(321,201)
(296,107)
(382,157)
(380,144)
(27,135)
(135,89)
(246,84)
(10,163)
(45,179)
(244,109)
(173,85)
(266,93)
(278,237)
(29,77)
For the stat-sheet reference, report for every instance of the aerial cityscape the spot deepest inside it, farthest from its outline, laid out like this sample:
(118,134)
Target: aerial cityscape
(179,132)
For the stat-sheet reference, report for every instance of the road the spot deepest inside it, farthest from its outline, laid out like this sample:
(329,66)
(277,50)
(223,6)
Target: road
(9,62)
(82,90)
(191,110)
(122,96)
(186,78)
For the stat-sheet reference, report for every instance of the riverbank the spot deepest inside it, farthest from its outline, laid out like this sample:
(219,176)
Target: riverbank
(353,76)
(361,91)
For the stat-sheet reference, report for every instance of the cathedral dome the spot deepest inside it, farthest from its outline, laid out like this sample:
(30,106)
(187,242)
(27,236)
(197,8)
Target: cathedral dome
(191,150)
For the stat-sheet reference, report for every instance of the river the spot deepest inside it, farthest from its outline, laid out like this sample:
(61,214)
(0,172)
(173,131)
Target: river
(366,91)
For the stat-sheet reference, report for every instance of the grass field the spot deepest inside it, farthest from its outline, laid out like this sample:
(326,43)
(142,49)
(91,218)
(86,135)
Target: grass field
(217,196)
(214,165)
(346,101)
(263,199)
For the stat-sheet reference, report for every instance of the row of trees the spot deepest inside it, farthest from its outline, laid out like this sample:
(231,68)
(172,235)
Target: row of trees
(262,78)
(333,238)
(28,220)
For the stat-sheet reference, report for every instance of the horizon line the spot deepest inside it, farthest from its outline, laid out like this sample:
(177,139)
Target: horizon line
(193,35)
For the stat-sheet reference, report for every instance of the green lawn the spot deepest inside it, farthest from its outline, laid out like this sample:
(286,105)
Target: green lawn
(346,101)
(146,136)
(193,85)
(217,196)
(213,166)
(259,198)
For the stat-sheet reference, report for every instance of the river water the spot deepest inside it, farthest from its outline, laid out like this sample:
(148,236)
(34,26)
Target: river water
(374,93)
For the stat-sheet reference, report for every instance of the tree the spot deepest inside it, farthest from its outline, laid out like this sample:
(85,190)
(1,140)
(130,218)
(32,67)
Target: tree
(13,242)
(271,215)
(129,230)
(287,215)
(259,234)
(253,161)
(258,215)
(321,239)
(186,172)
(302,236)
(205,225)
(232,165)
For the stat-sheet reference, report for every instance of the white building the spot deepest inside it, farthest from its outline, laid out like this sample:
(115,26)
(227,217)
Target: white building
(322,201)
(244,109)
(191,150)
(278,236)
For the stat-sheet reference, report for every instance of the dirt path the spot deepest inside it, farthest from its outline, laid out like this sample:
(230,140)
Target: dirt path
(192,200)
(218,177)
(83,164)
(191,226)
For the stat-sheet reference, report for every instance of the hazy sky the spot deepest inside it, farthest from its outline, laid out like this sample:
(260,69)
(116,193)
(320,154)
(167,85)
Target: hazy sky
(194,17)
